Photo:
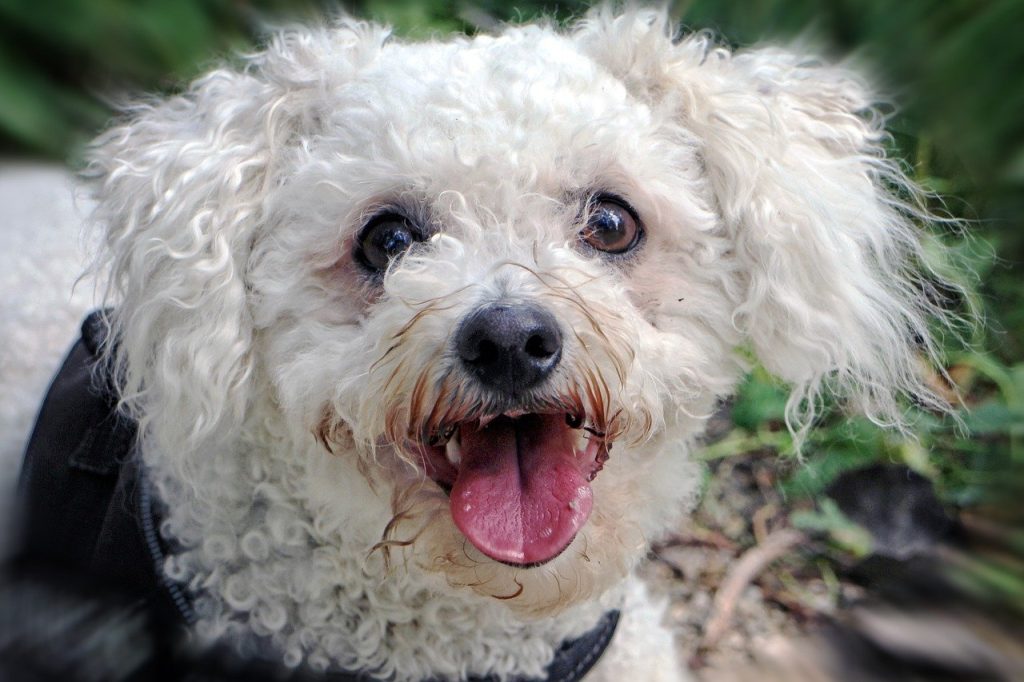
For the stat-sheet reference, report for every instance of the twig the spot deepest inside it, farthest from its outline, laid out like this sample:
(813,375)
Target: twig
(742,573)
(737,442)
(701,536)
(759,521)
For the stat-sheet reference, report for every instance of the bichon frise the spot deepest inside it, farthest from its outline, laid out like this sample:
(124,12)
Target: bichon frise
(419,337)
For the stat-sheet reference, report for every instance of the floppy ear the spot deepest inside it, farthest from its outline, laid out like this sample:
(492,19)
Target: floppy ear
(836,291)
(182,186)
(179,195)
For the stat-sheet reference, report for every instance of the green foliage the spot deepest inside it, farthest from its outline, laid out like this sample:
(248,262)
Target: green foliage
(761,400)
(62,62)
(969,457)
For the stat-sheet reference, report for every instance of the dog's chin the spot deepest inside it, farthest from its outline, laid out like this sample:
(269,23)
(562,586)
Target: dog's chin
(513,516)
(518,482)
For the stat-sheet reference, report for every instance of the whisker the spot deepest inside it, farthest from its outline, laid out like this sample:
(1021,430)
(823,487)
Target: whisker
(513,595)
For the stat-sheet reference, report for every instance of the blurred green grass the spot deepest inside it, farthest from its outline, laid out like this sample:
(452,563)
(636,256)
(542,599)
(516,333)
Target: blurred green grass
(954,67)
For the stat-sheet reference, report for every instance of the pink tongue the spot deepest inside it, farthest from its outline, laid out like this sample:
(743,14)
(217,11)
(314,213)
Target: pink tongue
(520,496)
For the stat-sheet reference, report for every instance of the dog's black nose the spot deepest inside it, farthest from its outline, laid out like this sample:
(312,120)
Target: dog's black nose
(509,347)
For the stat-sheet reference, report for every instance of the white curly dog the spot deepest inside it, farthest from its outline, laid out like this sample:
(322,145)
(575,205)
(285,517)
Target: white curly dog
(421,336)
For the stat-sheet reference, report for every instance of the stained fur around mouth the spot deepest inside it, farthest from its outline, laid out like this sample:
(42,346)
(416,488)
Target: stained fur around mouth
(452,407)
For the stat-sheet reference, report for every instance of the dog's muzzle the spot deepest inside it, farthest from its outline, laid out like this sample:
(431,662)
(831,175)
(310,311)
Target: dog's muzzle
(509,347)
(518,461)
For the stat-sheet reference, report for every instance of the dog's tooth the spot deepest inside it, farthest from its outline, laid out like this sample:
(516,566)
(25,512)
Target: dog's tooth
(582,441)
(453,451)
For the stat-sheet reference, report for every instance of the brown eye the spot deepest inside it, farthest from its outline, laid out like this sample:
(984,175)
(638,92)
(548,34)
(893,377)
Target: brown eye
(611,226)
(385,237)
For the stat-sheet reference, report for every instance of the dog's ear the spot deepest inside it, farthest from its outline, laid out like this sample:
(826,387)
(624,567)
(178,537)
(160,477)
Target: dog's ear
(837,294)
(182,185)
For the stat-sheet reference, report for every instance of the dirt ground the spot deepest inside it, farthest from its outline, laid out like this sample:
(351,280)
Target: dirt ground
(739,508)
(750,598)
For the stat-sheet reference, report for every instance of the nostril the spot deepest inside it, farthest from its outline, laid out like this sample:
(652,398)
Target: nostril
(486,352)
(538,347)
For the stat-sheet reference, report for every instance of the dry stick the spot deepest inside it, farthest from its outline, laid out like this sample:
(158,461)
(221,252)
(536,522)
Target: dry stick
(742,573)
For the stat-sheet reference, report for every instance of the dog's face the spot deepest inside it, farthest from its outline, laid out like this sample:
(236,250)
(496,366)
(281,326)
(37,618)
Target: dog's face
(506,278)
(490,267)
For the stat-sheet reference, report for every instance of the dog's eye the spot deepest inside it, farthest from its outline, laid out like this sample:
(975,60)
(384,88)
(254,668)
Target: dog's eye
(612,227)
(386,236)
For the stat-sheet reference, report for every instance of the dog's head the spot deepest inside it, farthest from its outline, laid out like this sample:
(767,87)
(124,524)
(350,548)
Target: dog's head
(507,277)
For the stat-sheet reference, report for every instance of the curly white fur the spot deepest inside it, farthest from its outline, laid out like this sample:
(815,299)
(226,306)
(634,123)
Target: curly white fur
(274,383)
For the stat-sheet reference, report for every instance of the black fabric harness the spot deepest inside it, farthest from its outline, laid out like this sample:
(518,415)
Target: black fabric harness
(88,544)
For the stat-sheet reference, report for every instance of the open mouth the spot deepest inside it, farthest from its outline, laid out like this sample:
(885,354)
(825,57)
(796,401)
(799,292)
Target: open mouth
(518,483)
